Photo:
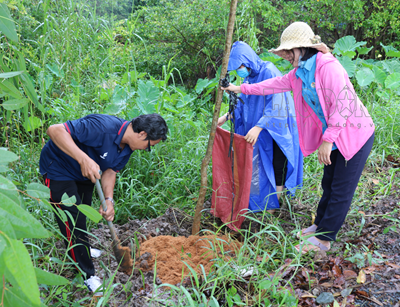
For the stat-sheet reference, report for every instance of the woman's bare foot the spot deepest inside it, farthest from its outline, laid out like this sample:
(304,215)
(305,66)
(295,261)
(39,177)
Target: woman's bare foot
(313,244)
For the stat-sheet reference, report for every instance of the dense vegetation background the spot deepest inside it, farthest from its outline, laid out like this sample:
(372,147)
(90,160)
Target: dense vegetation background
(63,59)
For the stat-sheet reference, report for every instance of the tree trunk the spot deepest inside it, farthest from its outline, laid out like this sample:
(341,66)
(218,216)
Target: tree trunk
(207,157)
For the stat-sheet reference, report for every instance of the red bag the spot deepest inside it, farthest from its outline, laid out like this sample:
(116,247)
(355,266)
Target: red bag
(223,191)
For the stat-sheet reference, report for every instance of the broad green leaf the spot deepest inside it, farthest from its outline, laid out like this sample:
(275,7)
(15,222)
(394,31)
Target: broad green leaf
(270,57)
(380,75)
(393,81)
(365,76)
(6,184)
(390,51)
(7,25)
(391,66)
(68,201)
(11,74)
(24,224)
(202,84)
(349,54)
(9,88)
(2,264)
(363,50)
(6,227)
(11,195)
(345,44)
(50,279)
(38,190)
(348,64)
(19,266)
(7,156)
(134,112)
(3,168)
(3,241)
(33,123)
(15,104)
(14,297)
(61,214)
(366,64)
(148,95)
(91,213)
(118,101)
(55,70)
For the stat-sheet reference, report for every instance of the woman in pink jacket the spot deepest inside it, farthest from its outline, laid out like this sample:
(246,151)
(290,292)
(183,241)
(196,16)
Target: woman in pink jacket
(330,118)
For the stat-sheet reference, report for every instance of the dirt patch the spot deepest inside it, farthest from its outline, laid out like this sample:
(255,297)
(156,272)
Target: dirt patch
(170,254)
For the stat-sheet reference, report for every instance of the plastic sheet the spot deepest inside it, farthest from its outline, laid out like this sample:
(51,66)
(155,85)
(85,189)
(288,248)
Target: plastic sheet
(225,193)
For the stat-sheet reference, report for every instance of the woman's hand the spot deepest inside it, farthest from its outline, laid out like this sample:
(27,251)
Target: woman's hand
(252,135)
(232,88)
(324,153)
(221,120)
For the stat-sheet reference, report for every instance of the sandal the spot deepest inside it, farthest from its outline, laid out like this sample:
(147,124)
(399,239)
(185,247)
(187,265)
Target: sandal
(307,231)
(311,244)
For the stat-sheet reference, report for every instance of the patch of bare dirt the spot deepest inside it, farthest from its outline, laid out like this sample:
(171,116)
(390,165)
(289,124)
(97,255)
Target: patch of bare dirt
(169,255)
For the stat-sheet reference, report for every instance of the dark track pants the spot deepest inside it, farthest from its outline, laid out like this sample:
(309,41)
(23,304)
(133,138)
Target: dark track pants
(76,238)
(279,163)
(339,183)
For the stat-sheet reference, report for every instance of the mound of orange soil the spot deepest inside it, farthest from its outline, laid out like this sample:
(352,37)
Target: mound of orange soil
(171,253)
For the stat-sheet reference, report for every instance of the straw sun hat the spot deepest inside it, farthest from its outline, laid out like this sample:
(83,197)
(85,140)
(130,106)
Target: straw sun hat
(299,34)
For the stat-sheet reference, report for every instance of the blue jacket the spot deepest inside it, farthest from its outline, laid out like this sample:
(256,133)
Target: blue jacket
(276,115)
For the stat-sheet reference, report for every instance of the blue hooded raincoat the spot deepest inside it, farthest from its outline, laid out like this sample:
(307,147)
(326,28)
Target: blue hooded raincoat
(276,115)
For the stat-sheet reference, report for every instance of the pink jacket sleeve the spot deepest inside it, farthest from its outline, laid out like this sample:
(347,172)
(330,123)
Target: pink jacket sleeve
(338,99)
(269,86)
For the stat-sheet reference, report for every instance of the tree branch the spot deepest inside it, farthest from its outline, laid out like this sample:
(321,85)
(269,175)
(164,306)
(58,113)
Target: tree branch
(207,157)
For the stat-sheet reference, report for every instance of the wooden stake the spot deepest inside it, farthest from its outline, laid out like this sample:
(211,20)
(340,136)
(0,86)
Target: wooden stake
(207,157)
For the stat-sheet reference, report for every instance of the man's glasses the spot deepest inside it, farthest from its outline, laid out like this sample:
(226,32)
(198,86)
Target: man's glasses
(148,147)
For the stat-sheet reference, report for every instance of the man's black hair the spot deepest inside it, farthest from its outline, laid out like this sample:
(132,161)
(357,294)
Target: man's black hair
(153,124)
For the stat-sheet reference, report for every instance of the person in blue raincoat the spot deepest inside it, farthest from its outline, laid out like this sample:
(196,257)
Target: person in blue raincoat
(269,123)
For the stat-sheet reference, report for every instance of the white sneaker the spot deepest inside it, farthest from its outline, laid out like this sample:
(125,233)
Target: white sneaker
(94,283)
(95,253)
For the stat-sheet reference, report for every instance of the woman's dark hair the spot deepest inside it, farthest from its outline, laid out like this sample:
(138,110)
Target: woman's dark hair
(307,52)
(153,124)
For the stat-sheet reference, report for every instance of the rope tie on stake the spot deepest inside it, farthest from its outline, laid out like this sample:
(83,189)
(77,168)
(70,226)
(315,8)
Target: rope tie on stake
(233,101)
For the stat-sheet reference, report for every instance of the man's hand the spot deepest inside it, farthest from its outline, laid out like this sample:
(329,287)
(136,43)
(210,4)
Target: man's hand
(90,169)
(252,135)
(108,183)
(64,141)
(232,88)
(109,214)
(324,153)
